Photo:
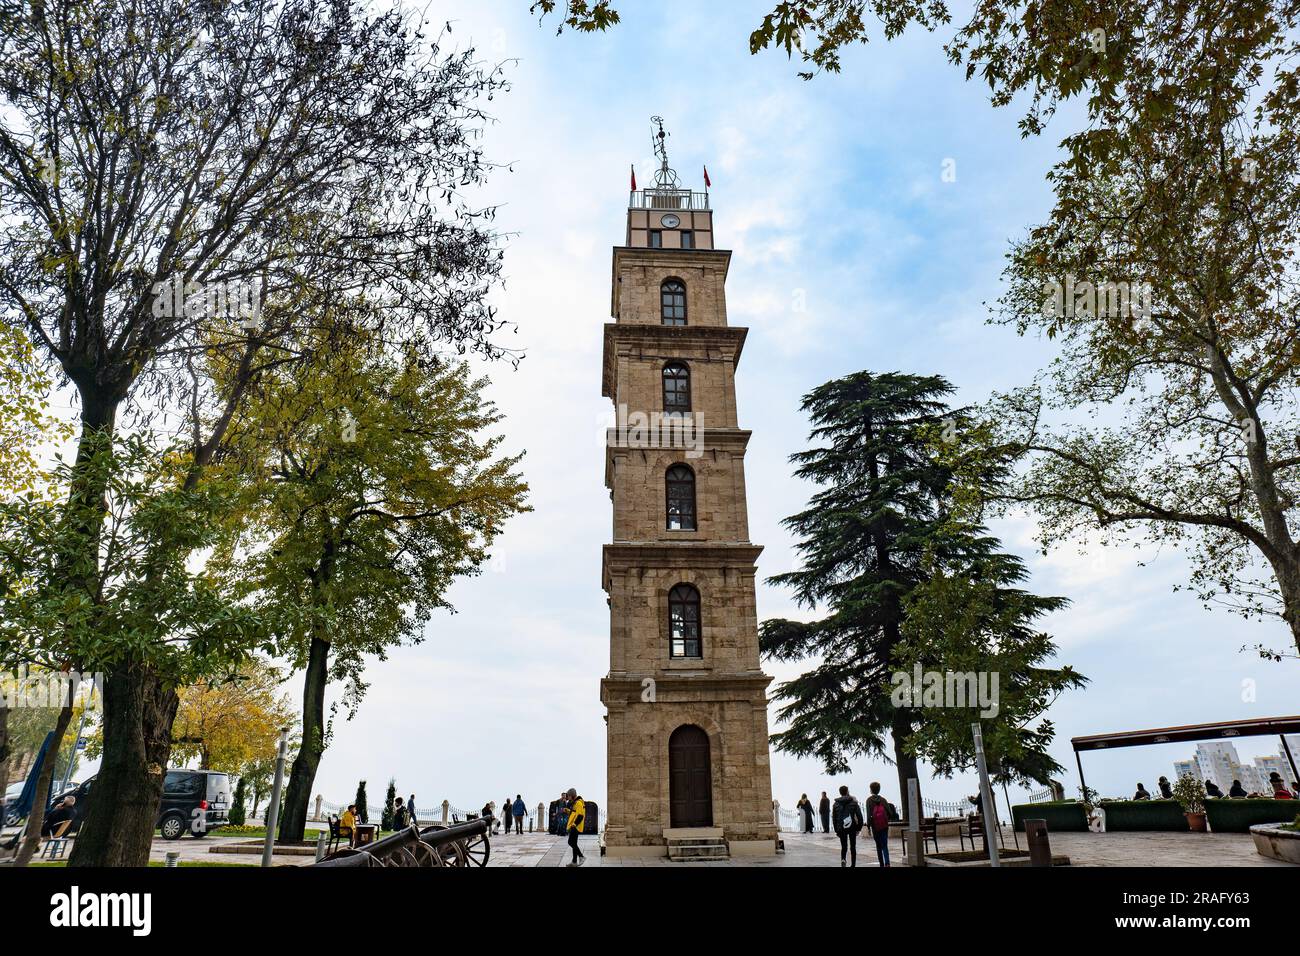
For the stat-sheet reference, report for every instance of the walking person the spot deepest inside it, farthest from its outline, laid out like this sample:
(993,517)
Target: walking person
(519,811)
(804,806)
(410,809)
(825,809)
(878,823)
(577,817)
(507,814)
(848,824)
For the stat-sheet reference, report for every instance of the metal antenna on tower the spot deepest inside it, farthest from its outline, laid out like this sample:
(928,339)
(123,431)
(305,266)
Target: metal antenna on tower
(665,178)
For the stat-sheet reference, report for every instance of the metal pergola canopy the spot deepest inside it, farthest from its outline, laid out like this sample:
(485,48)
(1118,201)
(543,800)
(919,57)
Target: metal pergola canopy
(1167,735)
(1224,730)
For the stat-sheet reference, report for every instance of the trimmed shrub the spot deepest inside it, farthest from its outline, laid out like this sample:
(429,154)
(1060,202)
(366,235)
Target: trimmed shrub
(1237,815)
(1144,815)
(1062,816)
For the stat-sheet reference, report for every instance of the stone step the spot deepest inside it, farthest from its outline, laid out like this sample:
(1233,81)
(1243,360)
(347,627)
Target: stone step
(698,851)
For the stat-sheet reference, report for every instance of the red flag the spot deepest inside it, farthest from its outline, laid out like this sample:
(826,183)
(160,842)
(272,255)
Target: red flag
(707,182)
(633,179)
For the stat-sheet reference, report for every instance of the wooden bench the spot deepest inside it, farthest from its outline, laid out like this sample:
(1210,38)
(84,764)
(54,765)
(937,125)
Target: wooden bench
(929,833)
(974,827)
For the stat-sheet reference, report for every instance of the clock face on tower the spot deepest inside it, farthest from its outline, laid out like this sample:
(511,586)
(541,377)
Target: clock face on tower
(669,221)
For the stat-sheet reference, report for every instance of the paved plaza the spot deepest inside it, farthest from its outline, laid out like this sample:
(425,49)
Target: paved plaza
(816,849)
(1083,849)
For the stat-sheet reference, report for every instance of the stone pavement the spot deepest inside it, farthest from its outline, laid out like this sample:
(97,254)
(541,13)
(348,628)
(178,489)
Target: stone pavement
(816,849)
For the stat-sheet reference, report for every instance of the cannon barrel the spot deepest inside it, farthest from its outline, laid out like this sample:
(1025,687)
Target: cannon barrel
(464,844)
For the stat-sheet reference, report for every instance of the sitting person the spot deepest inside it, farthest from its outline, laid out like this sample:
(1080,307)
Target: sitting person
(59,819)
(1142,793)
(1166,791)
(1212,789)
(401,819)
(348,823)
(1281,793)
(487,815)
(1236,790)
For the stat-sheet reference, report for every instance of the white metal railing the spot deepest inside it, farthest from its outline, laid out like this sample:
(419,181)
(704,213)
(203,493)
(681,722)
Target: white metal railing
(667,199)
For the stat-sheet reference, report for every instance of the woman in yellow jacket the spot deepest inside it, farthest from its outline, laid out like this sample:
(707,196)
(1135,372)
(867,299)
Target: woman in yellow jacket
(577,817)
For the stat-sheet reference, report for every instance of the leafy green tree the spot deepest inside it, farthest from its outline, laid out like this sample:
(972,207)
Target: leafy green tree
(137,586)
(363,814)
(885,554)
(390,801)
(379,488)
(297,151)
(238,808)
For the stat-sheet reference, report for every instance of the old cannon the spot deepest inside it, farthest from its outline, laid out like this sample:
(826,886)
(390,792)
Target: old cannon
(462,844)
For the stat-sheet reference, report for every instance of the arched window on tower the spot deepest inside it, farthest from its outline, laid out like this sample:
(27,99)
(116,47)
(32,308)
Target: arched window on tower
(679,485)
(677,388)
(672,302)
(684,622)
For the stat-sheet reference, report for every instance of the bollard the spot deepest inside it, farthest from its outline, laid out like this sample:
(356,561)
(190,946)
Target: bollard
(319,798)
(446,807)
(542,823)
(321,838)
(1040,848)
(173,858)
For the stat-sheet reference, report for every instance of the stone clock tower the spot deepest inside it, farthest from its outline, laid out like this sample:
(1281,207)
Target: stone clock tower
(688,769)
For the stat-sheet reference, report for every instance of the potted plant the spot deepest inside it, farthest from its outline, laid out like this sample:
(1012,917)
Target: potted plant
(1190,794)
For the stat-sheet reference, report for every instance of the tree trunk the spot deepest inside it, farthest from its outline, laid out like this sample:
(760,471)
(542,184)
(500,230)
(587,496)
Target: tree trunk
(293,822)
(1288,581)
(37,817)
(138,714)
(906,762)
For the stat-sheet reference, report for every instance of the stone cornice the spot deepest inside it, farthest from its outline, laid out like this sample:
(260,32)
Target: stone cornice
(671,341)
(686,555)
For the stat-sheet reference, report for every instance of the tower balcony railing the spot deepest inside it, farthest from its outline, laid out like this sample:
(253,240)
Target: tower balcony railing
(667,199)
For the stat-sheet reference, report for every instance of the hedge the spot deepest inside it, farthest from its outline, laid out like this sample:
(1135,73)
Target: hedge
(1061,815)
(1122,815)
(1229,815)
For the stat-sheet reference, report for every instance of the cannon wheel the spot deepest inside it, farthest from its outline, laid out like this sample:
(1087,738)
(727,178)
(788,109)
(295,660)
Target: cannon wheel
(478,849)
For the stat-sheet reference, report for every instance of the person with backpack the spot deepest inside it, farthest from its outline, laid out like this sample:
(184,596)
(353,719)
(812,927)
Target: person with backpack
(574,825)
(847,816)
(878,823)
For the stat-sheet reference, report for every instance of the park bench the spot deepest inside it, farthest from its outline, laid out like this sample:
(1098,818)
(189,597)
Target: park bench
(974,827)
(929,833)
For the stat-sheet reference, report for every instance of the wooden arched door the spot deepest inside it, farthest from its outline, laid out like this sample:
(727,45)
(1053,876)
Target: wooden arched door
(690,777)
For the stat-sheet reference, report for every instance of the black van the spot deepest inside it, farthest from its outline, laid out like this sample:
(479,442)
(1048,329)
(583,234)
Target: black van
(196,801)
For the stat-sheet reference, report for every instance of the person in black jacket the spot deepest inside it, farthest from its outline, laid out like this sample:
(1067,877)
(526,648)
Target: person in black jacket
(824,808)
(1166,791)
(804,806)
(1142,793)
(1212,789)
(848,824)
(1236,790)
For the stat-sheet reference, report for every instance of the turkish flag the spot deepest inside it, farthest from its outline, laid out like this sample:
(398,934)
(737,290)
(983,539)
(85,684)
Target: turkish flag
(633,179)
(707,182)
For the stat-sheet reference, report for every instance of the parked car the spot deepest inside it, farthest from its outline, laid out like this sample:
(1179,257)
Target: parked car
(186,794)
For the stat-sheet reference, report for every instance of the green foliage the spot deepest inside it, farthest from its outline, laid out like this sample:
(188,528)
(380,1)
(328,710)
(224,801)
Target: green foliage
(238,812)
(390,798)
(905,580)
(1190,794)
(101,582)
(363,815)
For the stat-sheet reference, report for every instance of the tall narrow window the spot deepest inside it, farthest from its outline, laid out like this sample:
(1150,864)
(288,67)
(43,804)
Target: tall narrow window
(656,239)
(680,492)
(672,302)
(688,239)
(684,622)
(677,388)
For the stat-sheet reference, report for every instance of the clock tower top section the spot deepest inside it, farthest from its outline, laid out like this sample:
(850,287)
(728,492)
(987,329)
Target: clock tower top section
(665,215)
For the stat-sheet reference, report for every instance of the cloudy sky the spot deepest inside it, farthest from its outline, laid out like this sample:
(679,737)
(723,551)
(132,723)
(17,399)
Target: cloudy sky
(829,193)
